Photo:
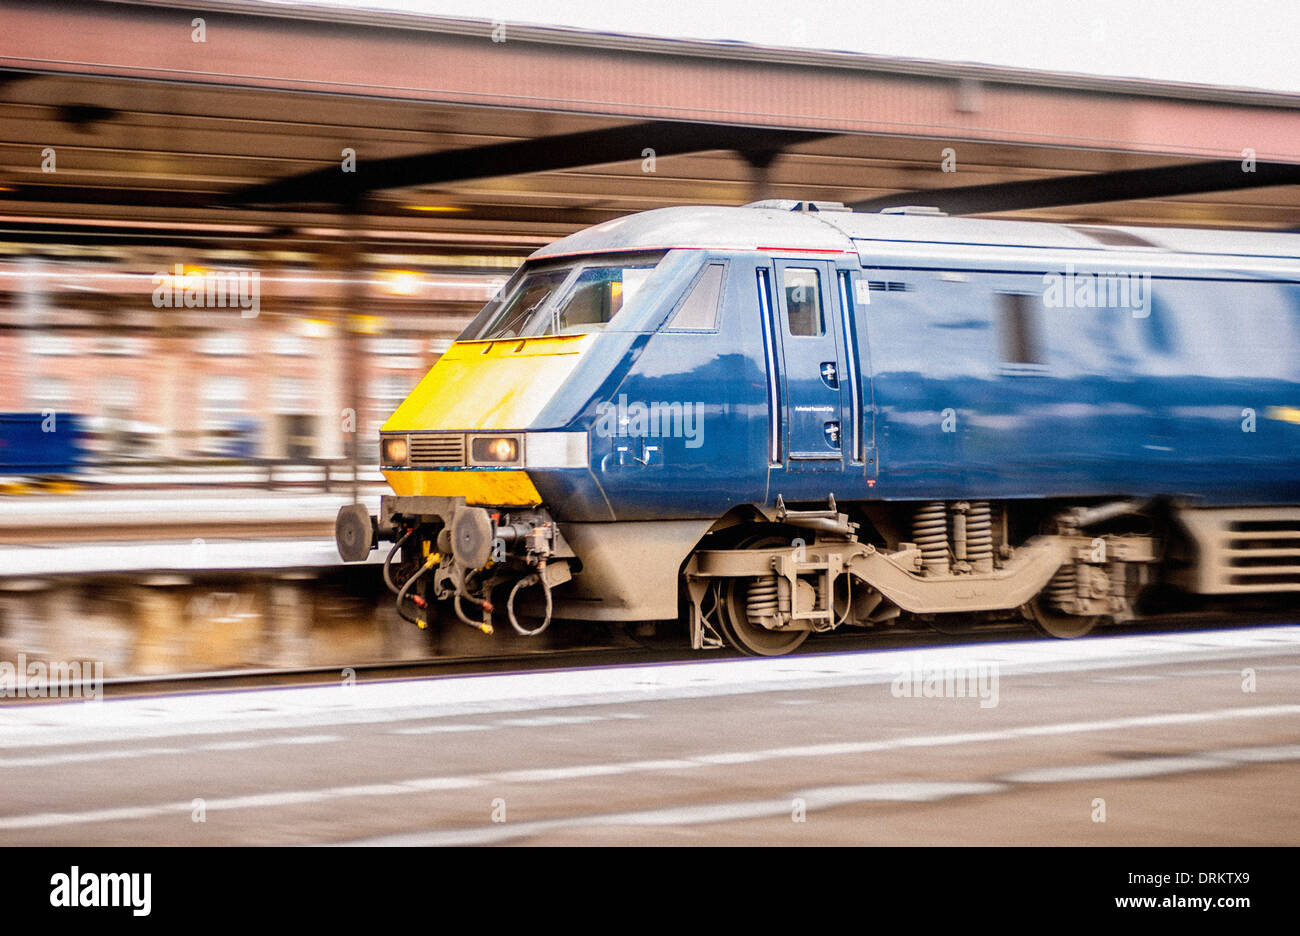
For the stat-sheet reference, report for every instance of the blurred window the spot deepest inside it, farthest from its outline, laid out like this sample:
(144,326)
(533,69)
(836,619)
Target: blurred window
(119,392)
(700,310)
(389,345)
(224,344)
(289,344)
(51,344)
(392,388)
(401,362)
(290,395)
(387,391)
(121,346)
(803,302)
(224,400)
(1018,329)
(50,392)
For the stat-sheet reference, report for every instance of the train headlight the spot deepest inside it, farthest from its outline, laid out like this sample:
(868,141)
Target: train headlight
(393,451)
(495,450)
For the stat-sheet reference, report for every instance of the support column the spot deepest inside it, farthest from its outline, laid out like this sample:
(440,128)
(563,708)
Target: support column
(760,164)
(352,324)
(161,643)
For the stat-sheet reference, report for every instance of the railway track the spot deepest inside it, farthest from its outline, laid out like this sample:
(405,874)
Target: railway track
(628,652)
(518,662)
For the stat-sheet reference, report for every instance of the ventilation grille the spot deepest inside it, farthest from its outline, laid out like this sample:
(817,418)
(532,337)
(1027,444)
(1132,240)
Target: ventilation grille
(1247,550)
(1264,552)
(438,451)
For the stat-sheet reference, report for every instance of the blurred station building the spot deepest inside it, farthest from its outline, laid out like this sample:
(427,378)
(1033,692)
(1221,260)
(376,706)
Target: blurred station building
(81,334)
(377,176)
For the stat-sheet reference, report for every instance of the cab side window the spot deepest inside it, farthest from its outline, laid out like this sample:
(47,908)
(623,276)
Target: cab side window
(699,312)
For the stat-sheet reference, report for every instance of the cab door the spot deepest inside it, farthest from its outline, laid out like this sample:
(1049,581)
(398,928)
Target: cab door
(815,381)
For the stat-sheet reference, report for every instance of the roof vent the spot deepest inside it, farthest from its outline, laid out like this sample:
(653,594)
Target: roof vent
(927,210)
(790,204)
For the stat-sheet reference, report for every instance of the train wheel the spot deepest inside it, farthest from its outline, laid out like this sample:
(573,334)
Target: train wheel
(1053,623)
(732,597)
(744,636)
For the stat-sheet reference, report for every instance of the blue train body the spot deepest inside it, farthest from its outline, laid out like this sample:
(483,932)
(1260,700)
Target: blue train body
(1195,394)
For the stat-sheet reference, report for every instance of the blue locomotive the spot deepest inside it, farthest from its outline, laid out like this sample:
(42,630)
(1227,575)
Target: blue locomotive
(789,417)
(42,445)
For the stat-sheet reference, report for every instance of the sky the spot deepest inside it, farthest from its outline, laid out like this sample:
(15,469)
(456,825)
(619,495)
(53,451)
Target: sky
(1215,42)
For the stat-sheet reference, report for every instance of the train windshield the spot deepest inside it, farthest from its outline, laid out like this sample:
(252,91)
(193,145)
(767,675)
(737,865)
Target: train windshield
(565,299)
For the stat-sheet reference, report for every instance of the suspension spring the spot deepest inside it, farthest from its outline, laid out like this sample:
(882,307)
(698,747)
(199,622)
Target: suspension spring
(761,600)
(1119,583)
(1062,590)
(979,536)
(930,532)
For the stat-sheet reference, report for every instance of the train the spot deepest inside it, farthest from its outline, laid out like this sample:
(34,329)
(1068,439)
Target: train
(769,421)
(45,445)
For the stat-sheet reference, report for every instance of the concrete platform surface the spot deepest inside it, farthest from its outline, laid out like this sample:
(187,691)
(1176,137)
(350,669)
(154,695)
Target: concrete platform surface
(1188,738)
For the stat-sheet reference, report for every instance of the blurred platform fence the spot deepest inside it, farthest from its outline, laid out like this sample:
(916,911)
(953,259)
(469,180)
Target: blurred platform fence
(323,474)
(165,623)
(155,583)
(328,474)
(37,532)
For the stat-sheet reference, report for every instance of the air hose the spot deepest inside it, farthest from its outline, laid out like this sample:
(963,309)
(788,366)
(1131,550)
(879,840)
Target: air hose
(484,626)
(404,592)
(388,576)
(526,582)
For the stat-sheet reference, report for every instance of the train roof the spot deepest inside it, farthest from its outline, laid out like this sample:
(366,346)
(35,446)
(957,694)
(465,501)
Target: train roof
(820,226)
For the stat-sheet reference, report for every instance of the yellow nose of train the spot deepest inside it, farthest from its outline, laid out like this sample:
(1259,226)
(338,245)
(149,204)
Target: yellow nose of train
(462,432)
